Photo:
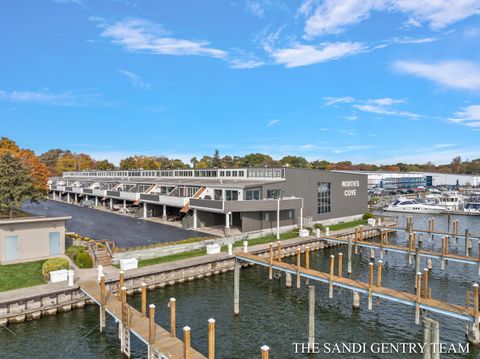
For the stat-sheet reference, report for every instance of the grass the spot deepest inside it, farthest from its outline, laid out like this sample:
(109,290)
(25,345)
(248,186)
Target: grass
(267,239)
(17,213)
(339,226)
(172,257)
(22,275)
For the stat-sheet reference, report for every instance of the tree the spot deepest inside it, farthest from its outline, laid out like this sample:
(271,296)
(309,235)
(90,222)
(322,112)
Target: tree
(128,163)
(38,170)
(50,159)
(216,160)
(194,161)
(16,183)
(295,161)
(7,144)
(104,165)
(258,159)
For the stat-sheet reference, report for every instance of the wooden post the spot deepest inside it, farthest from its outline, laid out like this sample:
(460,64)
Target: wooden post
(186,342)
(144,299)
(419,290)
(410,247)
(173,320)
(307,258)
(270,263)
(466,243)
(236,289)
(349,256)
(447,240)
(121,282)
(356,300)
(311,317)
(426,293)
(211,338)
(103,302)
(426,339)
(330,286)
(379,273)
(298,268)
(435,339)
(279,251)
(417,260)
(370,285)
(265,349)
(151,324)
(442,261)
(340,264)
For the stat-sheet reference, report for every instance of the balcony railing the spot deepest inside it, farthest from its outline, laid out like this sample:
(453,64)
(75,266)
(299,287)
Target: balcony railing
(245,206)
(163,199)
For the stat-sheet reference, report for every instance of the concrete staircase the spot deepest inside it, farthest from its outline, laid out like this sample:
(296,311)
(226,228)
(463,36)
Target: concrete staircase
(102,257)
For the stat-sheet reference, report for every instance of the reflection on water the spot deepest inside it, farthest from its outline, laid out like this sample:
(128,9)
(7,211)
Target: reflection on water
(269,313)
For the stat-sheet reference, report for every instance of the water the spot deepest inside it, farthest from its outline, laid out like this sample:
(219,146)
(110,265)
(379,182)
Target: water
(269,313)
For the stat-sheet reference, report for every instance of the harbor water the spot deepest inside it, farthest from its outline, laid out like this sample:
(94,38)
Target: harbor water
(269,313)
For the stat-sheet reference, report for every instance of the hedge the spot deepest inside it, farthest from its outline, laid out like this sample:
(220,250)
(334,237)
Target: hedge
(54,264)
(84,260)
(73,251)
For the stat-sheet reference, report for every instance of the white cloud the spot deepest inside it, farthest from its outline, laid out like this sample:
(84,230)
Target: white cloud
(135,80)
(444,145)
(334,100)
(470,117)
(68,98)
(145,36)
(256,8)
(78,2)
(302,55)
(411,40)
(380,106)
(273,123)
(332,16)
(245,62)
(455,74)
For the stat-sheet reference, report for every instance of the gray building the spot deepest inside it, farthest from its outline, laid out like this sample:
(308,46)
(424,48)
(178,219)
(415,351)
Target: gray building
(248,199)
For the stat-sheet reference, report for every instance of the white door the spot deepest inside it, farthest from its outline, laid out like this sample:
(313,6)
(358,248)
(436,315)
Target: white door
(11,248)
(54,243)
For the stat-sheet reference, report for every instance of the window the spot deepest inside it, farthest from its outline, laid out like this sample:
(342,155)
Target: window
(290,214)
(267,217)
(324,197)
(252,194)
(231,195)
(217,195)
(273,193)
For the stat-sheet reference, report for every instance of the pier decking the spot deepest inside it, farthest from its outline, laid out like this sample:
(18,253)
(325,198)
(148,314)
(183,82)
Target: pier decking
(411,299)
(161,346)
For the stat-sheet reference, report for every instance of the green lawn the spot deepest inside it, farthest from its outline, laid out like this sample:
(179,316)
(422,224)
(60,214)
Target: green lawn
(21,275)
(345,225)
(172,257)
(267,239)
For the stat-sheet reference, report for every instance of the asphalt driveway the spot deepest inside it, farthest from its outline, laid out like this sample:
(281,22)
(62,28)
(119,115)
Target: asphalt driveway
(125,231)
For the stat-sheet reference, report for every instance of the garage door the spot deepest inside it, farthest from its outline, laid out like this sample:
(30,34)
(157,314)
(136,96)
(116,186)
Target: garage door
(11,248)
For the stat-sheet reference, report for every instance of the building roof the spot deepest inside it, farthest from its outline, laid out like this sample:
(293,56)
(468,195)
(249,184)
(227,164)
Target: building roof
(33,220)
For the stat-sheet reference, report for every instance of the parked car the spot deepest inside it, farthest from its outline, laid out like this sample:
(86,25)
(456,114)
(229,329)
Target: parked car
(87,203)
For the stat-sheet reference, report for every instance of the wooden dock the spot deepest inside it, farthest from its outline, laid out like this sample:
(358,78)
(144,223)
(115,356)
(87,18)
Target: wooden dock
(468,314)
(406,250)
(162,345)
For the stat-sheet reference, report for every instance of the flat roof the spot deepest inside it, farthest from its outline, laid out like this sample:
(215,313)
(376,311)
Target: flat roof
(33,220)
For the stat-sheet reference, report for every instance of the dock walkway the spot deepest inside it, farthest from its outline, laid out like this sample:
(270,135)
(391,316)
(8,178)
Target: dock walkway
(164,345)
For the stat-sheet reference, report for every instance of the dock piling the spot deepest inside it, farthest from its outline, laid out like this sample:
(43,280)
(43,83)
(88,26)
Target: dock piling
(307,258)
(467,243)
(356,300)
(435,339)
(211,338)
(370,285)
(426,339)
(418,292)
(236,288)
(426,290)
(144,299)
(349,256)
(340,265)
(298,268)
(279,251)
(330,286)
(265,349)
(288,280)
(103,301)
(186,342)
(121,281)
(173,320)
(270,266)
(311,317)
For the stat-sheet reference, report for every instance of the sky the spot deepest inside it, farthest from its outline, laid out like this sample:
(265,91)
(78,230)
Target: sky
(377,81)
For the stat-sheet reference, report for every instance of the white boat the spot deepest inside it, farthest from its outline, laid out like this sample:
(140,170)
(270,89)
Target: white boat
(413,206)
(472,203)
(453,201)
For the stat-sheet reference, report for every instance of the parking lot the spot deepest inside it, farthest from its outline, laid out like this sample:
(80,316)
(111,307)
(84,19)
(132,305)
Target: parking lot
(125,231)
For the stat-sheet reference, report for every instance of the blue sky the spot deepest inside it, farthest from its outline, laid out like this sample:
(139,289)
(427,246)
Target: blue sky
(360,80)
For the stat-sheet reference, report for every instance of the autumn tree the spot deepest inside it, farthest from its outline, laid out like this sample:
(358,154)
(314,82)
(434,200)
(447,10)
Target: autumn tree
(104,165)
(295,161)
(17,184)
(50,159)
